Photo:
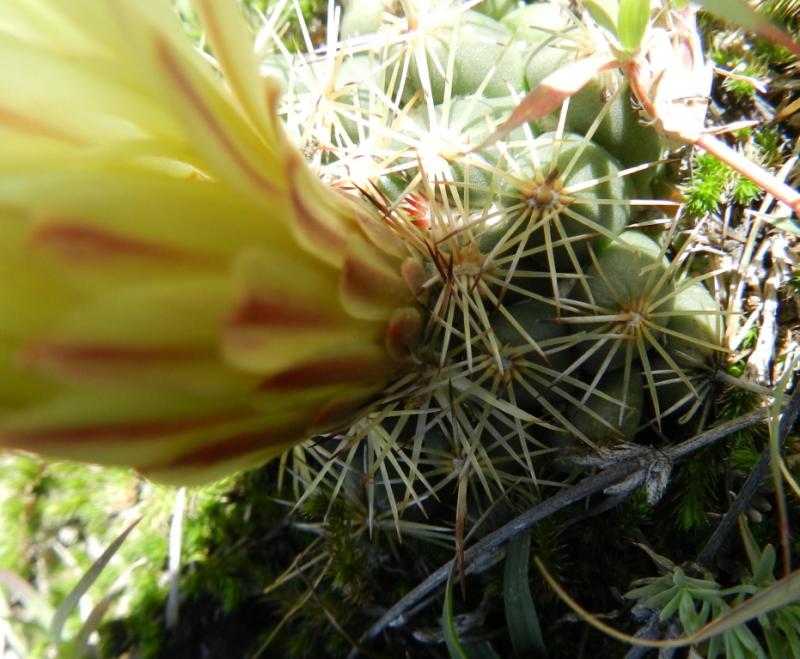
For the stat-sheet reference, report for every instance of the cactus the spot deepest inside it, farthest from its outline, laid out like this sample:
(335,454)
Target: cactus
(488,306)
(548,319)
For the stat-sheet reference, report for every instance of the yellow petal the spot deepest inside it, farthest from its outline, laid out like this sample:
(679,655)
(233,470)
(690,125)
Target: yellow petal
(288,313)
(179,291)
(372,287)
(91,97)
(230,39)
(215,127)
(134,427)
(198,221)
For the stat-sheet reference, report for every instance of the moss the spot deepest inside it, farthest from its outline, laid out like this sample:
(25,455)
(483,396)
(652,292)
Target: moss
(707,187)
(20,486)
(713,183)
(695,485)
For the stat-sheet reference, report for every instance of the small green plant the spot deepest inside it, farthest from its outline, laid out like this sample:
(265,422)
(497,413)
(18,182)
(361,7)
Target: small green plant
(694,602)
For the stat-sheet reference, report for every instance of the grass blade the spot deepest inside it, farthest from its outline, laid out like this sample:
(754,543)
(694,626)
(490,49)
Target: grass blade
(454,648)
(521,618)
(86,581)
(80,644)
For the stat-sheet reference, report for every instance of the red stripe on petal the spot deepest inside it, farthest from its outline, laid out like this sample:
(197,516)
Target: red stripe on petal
(45,438)
(195,99)
(82,242)
(369,290)
(326,372)
(258,312)
(234,446)
(26,124)
(317,232)
(403,332)
(87,357)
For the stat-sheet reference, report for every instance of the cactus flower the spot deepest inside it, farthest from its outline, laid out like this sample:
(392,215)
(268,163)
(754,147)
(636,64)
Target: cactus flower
(178,291)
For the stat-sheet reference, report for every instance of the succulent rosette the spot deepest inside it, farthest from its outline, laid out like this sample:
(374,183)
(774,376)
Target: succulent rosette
(179,292)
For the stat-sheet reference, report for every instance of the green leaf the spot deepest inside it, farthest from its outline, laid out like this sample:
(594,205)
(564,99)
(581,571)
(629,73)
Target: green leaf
(632,20)
(649,590)
(779,594)
(521,618)
(687,614)
(714,647)
(671,607)
(660,600)
(793,639)
(750,545)
(775,645)
(604,12)
(733,648)
(749,642)
(765,568)
(454,648)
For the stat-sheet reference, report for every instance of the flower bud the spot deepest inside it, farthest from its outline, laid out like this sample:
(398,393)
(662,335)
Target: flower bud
(180,293)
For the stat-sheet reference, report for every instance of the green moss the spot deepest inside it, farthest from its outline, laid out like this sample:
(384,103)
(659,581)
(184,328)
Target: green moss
(19,515)
(770,145)
(741,83)
(707,186)
(744,454)
(744,190)
(695,484)
(638,510)
(713,183)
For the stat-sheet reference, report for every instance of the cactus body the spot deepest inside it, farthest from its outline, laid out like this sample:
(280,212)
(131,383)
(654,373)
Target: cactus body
(698,325)
(543,195)
(612,414)
(628,283)
(482,47)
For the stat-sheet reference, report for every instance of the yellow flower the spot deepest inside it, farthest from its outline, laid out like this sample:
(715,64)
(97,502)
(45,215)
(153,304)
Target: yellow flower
(178,292)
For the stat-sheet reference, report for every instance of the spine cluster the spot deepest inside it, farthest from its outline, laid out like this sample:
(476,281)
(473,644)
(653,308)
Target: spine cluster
(563,307)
